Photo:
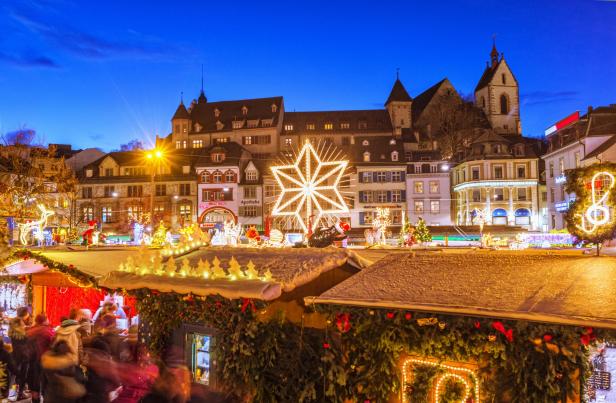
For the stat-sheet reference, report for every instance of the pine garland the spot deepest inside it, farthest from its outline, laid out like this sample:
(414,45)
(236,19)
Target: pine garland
(79,278)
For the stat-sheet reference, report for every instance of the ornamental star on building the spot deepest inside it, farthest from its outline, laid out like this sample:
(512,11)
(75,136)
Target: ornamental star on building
(309,188)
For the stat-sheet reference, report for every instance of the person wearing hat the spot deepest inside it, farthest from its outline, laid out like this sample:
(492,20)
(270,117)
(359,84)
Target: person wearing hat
(40,337)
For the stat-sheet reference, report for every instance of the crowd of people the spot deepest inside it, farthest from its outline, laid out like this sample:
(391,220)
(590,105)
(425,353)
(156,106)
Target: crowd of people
(90,361)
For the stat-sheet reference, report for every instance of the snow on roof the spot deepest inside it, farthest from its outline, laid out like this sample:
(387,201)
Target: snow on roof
(545,286)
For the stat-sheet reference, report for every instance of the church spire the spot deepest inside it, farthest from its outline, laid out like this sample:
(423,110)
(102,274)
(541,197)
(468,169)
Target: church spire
(494,52)
(202,98)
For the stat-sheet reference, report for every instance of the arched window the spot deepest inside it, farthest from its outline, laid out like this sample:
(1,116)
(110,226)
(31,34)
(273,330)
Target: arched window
(366,156)
(205,177)
(244,110)
(217,177)
(229,177)
(499,217)
(504,104)
(522,216)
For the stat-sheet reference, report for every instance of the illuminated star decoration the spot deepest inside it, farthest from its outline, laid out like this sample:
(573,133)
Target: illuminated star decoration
(309,186)
(597,214)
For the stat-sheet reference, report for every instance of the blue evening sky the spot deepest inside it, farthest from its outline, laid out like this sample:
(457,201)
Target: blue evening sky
(99,73)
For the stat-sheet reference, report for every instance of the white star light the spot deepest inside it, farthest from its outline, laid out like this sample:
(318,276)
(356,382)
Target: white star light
(306,182)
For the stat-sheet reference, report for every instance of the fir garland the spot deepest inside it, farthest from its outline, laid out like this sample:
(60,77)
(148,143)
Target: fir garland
(79,278)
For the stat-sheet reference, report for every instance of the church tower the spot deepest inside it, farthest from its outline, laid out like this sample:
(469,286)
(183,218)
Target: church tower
(497,94)
(398,105)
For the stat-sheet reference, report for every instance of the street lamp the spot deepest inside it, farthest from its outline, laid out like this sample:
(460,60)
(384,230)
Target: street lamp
(154,157)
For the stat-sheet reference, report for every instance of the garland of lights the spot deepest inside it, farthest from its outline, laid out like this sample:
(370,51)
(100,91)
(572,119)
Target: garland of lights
(38,225)
(78,278)
(302,183)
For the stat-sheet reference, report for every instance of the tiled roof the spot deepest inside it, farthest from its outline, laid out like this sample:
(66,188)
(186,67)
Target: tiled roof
(181,112)
(487,75)
(422,100)
(375,120)
(233,155)
(398,93)
(380,149)
(606,145)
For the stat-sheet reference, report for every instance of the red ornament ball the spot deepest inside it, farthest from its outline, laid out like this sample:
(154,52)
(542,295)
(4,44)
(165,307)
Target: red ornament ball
(326,345)
(547,338)
(390,315)
(408,316)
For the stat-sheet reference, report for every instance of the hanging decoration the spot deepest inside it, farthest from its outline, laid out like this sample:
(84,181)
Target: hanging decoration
(36,226)
(310,186)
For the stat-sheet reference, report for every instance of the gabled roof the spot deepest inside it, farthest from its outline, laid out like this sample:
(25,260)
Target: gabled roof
(422,100)
(606,145)
(233,155)
(490,137)
(181,112)
(487,76)
(380,149)
(398,93)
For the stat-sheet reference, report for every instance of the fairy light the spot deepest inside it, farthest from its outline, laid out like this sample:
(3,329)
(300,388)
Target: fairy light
(406,378)
(39,225)
(597,214)
(307,186)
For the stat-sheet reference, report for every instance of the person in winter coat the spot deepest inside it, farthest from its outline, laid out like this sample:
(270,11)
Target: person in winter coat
(70,331)
(102,372)
(21,348)
(59,370)
(40,337)
(6,361)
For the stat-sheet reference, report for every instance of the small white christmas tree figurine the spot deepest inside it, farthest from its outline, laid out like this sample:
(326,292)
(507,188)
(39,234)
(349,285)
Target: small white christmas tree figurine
(267,276)
(251,272)
(170,267)
(157,264)
(185,269)
(204,269)
(235,270)
(217,271)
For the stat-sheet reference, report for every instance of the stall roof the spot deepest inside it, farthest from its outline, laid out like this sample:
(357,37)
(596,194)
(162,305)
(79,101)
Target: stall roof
(554,287)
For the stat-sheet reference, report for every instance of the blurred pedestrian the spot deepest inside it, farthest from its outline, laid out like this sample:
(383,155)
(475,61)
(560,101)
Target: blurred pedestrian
(70,331)
(102,372)
(40,337)
(21,349)
(137,374)
(61,375)
(6,360)
(109,333)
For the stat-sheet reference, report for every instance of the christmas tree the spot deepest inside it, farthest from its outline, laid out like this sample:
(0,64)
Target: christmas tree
(159,238)
(422,233)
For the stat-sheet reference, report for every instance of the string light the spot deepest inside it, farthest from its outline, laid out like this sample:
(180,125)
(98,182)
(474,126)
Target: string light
(307,186)
(451,373)
(597,214)
(39,225)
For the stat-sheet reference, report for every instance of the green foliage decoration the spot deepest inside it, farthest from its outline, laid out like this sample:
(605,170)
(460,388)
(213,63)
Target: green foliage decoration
(79,278)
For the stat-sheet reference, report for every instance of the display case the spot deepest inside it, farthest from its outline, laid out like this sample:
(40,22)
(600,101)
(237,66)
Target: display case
(200,357)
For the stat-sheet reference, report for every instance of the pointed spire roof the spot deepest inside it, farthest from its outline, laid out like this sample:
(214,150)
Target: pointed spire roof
(202,98)
(181,112)
(494,53)
(398,93)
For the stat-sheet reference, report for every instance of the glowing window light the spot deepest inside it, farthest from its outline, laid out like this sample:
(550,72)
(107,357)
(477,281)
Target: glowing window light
(493,184)
(448,374)
(597,214)
(37,226)
(306,185)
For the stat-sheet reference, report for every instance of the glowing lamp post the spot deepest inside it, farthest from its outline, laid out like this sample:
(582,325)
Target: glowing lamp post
(304,188)
(154,157)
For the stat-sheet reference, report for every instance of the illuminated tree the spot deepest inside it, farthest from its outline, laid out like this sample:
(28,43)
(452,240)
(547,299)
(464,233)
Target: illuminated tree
(422,233)
(590,217)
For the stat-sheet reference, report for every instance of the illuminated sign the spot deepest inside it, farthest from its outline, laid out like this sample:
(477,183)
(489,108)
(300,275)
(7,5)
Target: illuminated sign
(562,206)
(493,184)
(560,179)
(597,214)
(574,117)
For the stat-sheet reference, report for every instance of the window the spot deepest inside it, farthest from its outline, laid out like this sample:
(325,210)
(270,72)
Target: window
(483,102)
(346,140)
(89,173)
(475,173)
(87,213)
(220,140)
(274,108)
(249,211)
(86,193)
(497,148)
(134,211)
(552,198)
(435,206)
(309,126)
(217,177)
(521,194)
(396,217)
(229,177)
(419,206)
(244,110)
(433,168)
(418,186)
(504,104)
(417,169)
(247,140)
(270,190)
(551,170)
(108,191)
(562,193)
(381,176)
(577,159)
(362,125)
(107,214)
(218,157)
(185,212)
(561,166)
(394,155)
(366,177)
(396,176)
(381,196)
(504,78)
(159,210)
(366,197)
(366,156)
(288,127)
(434,187)
(499,194)
(108,171)
(185,169)
(328,126)
(216,112)
(251,175)
(345,125)
(476,195)
(134,171)
(498,172)
(205,177)
(544,196)
(521,171)
(396,196)
(184,189)
(161,190)
(180,144)
(134,190)
(197,144)
(288,142)
(250,192)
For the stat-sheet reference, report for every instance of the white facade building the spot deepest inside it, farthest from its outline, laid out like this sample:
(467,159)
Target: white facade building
(428,187)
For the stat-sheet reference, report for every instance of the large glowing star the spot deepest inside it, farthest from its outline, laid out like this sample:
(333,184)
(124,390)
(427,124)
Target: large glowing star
(597,214)
(309,188)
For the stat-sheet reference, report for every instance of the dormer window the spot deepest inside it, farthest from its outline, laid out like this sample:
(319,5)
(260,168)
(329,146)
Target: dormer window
(328,126)
(365,143)
(251,175)
(244,110)
(216,112)
(288,127)
(362,125)
(198,127)
(238,124)
(266,122)
(309,126)
(274,108)
(345,125)
(89,173)
(366,156)
(394,155)
(218,157)
(219,125)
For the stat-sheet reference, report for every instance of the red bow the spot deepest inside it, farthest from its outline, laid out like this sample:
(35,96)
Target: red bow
(246,302)
(343,322)
(499,327)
